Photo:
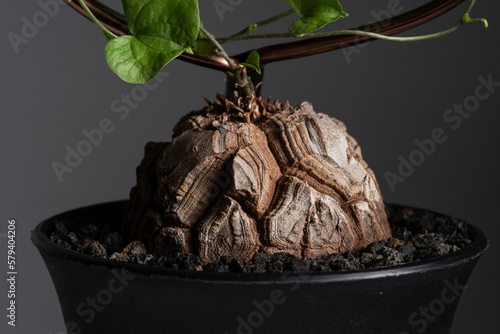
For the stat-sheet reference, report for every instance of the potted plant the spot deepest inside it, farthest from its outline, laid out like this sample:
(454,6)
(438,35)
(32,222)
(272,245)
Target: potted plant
(243,178)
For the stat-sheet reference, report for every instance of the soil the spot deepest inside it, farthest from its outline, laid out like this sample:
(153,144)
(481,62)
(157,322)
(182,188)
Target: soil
(417,235)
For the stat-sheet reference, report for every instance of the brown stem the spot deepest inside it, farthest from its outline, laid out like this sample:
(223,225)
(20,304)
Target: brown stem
(291,50)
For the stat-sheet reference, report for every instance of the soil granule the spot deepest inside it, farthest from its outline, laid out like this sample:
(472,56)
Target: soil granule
(417,235)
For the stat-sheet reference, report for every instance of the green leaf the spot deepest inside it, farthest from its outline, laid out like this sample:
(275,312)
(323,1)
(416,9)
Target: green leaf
(314,14)
(253,61)
(135,62)
(162,30)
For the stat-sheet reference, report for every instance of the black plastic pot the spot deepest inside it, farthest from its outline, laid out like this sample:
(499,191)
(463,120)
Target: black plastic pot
(104,296)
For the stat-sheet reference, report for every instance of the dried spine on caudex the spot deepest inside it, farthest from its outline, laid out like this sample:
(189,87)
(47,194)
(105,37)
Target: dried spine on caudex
(246,176)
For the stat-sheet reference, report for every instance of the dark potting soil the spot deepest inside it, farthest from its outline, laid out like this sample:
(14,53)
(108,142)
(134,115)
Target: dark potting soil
(417,235)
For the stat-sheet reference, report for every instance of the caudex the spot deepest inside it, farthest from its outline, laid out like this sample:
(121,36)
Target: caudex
(244,175)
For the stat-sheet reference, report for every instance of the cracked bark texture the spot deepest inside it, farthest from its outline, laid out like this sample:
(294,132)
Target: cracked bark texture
(244,176)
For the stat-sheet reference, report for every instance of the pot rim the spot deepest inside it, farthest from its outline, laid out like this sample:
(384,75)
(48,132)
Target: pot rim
(41,240)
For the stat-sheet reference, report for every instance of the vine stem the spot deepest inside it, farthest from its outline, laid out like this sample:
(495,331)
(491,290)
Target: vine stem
(348,32)
(243,82)
(465,19)
(255,25)
(94,19)
(219,47)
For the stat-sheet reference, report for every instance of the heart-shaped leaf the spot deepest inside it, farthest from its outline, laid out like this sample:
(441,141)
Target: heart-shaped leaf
(135,62)
(162,30)
(314,14)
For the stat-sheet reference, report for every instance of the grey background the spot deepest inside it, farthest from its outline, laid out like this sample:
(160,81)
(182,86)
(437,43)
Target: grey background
(388,95)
